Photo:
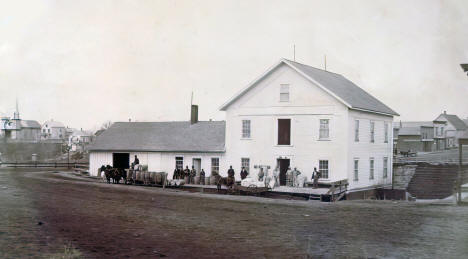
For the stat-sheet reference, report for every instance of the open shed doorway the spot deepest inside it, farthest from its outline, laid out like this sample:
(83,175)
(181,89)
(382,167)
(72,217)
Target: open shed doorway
(283,166)
(121,160)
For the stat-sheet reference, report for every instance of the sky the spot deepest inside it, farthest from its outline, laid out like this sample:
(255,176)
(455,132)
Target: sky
(87,62)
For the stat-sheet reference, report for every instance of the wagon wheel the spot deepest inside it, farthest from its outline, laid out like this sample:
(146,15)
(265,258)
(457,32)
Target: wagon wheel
(253,189)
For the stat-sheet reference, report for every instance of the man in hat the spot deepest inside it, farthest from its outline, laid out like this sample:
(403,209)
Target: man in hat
(187,174)
(243,173)
(315,176)
(193,173)
(295,174)
(202,177)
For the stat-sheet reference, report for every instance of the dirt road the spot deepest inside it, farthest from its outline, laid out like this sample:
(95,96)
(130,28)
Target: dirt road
(117,221)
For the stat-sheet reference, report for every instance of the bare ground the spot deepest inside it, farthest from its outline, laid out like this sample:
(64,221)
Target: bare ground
(118,221)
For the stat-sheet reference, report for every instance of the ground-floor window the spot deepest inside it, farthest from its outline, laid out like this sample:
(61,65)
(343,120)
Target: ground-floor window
(356,169)
(385,167)
(179,162)
(245,163)
(371,168)
(323,168)
(215,164)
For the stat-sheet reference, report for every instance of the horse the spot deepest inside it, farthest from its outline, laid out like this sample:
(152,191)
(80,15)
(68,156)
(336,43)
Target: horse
(227,181)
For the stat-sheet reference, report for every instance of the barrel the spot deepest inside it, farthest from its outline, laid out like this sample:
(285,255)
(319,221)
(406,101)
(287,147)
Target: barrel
(207,180)
(129,175)
(139,177)
(158,178)
(153,177)
(146,177)
(186,178)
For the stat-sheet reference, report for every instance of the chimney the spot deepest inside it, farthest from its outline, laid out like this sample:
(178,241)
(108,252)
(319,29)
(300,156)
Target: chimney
(445,112)
(194,114)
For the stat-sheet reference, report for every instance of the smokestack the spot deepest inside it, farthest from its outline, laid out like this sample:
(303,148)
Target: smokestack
(194,114)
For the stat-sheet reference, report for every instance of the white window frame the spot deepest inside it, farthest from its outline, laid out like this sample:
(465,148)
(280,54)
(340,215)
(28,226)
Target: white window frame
(385,167)
(245,162)
(284,93)
(324,170)
(356,130)
(214,166)
(246,131)
(324,132)
(386,132)
(179,160)
(371,168)
(372,131)
(356,169)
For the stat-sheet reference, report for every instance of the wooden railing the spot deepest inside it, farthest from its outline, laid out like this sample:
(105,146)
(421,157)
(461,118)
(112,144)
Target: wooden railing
(337,190)
(44,165)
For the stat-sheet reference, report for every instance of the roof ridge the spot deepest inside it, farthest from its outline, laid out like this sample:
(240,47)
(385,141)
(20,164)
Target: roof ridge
(312,67)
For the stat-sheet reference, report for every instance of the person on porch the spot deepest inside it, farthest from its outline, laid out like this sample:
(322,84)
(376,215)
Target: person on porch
(243,173)
(193,173)
(295,174)
(202,177)
(289,178)
(315,176)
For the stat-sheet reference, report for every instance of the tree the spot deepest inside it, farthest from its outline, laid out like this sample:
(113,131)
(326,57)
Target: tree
(106,125)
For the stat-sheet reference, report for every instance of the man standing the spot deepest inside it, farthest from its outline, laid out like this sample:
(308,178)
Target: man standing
(230,172)
(315,176)
(202,177)
(243,173)
(291,181)
(276,176)
(193,173)
(295,175)
(187,175)
(137,161)
(176,174)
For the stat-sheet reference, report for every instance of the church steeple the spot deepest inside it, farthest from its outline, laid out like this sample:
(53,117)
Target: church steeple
(16,115)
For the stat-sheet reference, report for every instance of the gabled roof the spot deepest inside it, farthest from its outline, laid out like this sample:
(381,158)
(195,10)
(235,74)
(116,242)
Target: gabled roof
(54,124)
(404,124)
(30,124)
(335,84)
(455,121)
(177,136)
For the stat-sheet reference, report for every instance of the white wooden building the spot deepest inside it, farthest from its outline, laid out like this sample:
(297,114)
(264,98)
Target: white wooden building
(292,115)
(299,116)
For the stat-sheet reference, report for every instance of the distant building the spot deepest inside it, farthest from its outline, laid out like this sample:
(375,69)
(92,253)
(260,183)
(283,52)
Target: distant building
(16,129)
(53,130)
(450,128)
(78,139)
(416,136)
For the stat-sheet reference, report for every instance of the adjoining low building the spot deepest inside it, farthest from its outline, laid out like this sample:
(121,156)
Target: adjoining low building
(162,146)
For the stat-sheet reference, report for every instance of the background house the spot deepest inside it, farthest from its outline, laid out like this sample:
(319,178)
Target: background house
(451,128)
(416,136)
(53,130)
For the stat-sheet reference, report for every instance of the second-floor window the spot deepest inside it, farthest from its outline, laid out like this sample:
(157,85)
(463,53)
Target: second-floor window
(386,132)
(284,131)
(372,132)
(324,129)
(356,130)
(284,93)
(245,128)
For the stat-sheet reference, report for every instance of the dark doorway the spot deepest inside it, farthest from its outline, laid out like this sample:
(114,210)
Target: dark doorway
(284,131)
(283,166)
(121,160)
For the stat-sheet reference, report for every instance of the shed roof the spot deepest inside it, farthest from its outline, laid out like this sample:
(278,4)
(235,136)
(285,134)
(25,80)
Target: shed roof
(335,84)
(30,124)
(176,136)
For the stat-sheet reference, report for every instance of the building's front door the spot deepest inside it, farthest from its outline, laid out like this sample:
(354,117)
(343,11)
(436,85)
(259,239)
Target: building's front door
(196,162)
(283,166)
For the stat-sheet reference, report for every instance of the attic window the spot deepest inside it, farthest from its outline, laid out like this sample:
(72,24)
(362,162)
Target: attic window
(284,93)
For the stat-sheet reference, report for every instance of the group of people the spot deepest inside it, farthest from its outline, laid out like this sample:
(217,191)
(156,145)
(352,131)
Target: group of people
(188,175)
(292,177)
